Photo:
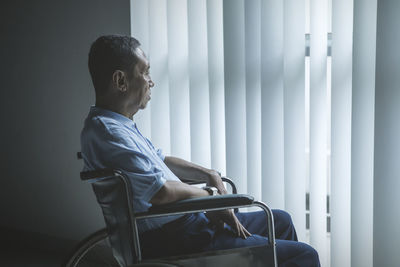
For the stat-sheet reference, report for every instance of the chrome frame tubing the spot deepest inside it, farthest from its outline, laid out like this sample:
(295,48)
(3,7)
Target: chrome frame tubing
(263,206)
(133,219)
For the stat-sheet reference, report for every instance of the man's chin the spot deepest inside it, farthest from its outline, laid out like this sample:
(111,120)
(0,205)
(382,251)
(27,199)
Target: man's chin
(143,106)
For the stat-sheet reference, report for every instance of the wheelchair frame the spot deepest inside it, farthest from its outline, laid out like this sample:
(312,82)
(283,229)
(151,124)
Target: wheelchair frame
(212,203)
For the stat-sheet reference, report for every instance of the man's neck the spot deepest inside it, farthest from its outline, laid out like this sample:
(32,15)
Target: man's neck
(115,108)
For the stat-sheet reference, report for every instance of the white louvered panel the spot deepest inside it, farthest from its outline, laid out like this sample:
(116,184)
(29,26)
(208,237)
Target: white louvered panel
(318,127)
(272,145)
(178,69)
(158,50)
(253,95)
(362,141)
(294,113)
(235,92)
(199,90)
(216,83)
(340,200)
(140,30)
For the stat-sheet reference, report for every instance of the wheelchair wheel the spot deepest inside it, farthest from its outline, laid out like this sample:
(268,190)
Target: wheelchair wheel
(93,251)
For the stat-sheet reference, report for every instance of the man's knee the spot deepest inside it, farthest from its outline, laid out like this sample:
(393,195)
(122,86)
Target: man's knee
(309,255)
(282,217)
(313,257)
(292,253)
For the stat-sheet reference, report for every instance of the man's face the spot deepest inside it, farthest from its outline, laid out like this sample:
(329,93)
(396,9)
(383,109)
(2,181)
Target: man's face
(140,83)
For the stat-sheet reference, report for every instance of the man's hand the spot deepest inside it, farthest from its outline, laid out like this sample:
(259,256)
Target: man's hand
(190,172)
(216,181)
(220,217)
(173,191)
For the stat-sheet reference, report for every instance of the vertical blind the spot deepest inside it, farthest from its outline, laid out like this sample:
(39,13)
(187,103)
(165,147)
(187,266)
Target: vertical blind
(341,99)
(362,132)
(158,55)
(318,125)
(253,93)
(272,146)
(294,112)
(178,70)
(216,83)
(234,92)
(199,84)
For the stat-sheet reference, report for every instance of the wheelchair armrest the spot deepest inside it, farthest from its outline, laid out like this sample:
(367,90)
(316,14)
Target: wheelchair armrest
(232,184)
(91,176)
(209,203)
(197,205)
(224,179)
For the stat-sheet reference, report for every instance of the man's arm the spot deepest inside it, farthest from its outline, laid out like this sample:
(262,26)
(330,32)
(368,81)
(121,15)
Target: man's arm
(174,190)
(192,172)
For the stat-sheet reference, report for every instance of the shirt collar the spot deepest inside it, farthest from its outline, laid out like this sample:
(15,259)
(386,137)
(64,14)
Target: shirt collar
(97,111)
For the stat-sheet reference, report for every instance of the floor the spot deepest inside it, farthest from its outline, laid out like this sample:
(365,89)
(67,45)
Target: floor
(31,249)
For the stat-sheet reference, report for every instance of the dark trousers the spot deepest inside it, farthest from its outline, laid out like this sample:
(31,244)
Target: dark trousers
(194,233)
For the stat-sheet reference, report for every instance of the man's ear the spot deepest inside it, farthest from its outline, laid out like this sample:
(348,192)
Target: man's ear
(119,80)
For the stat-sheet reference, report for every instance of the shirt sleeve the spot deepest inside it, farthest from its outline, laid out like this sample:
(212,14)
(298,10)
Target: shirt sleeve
(160,154)
(158,150)
(120,152)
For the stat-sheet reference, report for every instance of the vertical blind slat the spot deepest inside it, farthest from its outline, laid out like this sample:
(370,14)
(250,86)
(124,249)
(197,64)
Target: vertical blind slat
(272,156)
(178,69)
(341,97)
(158,51)
(199,90)
(294,113)
(140,30)
(362,142)
(235,92)
(318,127)
(216,82)
(253,96)
(386,196)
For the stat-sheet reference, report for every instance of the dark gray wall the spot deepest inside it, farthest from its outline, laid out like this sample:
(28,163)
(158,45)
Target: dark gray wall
(46,92)
(387,136)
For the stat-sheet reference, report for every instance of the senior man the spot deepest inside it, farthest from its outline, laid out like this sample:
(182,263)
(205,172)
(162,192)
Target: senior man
(120,73)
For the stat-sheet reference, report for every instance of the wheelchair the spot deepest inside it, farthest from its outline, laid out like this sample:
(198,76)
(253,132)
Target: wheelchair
(118,244)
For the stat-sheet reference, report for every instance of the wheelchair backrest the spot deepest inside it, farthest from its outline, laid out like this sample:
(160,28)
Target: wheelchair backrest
(113,195)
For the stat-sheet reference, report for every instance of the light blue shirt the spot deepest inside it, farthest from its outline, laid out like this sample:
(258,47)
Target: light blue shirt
(111,140)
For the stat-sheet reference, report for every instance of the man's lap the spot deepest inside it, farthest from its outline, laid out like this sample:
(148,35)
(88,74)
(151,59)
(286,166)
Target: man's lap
(289,251)
(177,237)
(285,249)
(256,224)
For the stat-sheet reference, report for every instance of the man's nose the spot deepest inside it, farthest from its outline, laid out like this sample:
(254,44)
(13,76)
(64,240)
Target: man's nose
(151,83)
